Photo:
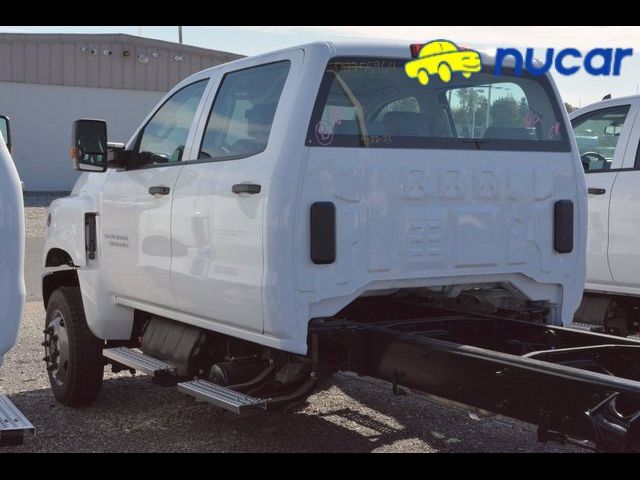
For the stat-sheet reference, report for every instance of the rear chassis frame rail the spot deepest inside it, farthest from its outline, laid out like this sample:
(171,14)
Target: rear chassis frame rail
(570,383)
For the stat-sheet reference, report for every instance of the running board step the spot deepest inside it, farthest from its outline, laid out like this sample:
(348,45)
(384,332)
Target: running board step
(13,424)
(222,397)
(139,361)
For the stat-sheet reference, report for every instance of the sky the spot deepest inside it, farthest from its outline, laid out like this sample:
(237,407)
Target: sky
(580,89)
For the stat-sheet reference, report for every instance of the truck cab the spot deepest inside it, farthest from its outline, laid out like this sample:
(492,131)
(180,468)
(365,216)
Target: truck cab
(12,241)
(13,424)
(282,217)
(608,135)
(209,218)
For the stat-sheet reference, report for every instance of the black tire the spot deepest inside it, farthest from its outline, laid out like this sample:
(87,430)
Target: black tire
(80,382)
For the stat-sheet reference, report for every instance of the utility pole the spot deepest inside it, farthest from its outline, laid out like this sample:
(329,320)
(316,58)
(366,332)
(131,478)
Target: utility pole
(487,116)
(180,35)
(473,115)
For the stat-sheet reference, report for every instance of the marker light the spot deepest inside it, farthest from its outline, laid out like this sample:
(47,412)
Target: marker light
(415,49)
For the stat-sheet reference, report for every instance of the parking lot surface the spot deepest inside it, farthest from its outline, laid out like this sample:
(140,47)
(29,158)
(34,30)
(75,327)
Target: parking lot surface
(347,413)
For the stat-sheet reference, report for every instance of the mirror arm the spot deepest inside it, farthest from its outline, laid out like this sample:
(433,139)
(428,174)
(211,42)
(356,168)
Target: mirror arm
(117,156)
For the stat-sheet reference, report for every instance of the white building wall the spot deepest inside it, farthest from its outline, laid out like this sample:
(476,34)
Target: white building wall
(41,121)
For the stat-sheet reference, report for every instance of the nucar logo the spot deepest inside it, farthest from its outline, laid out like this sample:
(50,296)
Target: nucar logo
(597,62)
(443,58)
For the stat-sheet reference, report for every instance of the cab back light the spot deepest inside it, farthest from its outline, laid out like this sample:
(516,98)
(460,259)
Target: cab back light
(415,49)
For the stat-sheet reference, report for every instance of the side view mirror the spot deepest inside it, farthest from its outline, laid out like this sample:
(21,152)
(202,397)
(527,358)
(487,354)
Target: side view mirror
(5,130)
(613,129)
(89,145)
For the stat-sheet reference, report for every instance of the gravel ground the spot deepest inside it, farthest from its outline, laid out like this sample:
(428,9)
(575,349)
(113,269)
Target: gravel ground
(347,413)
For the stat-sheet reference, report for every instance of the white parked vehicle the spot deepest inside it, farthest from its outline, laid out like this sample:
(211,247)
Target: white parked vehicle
(12,290)
(608,136)
(5,131)
(285,216)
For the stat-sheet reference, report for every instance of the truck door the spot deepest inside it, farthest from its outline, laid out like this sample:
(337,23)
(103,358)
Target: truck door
(135,213)
(602,136)
(624,216)
(217,221)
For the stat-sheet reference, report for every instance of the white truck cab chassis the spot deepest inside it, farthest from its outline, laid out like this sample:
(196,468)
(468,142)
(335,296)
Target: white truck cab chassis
(608,138)
(282,217)
(13,424)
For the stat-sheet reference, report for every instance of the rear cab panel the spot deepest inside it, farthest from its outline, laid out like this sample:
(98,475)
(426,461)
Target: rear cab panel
(431,215)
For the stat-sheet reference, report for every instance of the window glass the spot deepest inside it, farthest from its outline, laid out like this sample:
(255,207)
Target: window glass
(4,129)
(407,104)
(496,110)
(597,135)
(372,102)
(242,114)
(164,137)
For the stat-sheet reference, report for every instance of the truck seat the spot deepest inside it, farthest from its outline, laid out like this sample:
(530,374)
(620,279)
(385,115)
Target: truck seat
(406,124)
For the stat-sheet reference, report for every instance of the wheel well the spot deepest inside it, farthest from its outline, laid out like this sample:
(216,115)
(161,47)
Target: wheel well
(54,280)
(57,257)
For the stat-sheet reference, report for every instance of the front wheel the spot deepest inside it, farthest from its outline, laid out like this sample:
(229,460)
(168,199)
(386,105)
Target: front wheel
(73,354)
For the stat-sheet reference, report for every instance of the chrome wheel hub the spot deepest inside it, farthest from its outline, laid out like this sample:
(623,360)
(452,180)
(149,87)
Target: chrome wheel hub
(56,345)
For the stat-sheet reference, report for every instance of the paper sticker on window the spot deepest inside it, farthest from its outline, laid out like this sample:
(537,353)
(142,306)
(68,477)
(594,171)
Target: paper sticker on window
(531,119)
(324,135)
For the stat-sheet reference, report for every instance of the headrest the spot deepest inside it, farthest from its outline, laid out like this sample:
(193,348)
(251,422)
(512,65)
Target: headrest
(261,114)
(346,127)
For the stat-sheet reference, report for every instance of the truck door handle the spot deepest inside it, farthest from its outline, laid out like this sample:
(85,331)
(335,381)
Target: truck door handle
(159,190)
(596,191)
(250,188)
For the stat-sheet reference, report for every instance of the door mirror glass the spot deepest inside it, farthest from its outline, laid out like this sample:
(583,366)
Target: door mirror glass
(89,148)
(5,130)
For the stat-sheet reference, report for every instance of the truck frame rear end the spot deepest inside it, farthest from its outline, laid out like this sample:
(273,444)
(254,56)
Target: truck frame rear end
(570,383)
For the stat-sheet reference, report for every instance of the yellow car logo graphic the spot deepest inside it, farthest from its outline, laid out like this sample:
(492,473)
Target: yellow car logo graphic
(443,57)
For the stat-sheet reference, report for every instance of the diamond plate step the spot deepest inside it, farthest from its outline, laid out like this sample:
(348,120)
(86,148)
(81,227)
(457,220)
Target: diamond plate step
(220,396)
(139,361)
(582,326)
(13,424)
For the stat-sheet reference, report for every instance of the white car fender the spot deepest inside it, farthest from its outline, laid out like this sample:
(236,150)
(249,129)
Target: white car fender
(65,227)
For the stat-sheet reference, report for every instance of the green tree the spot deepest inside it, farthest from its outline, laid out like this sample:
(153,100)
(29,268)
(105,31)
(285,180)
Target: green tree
(505,112)
(523,109)
(470,112)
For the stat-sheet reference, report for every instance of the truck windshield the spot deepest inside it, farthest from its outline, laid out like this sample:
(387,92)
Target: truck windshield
(372,102)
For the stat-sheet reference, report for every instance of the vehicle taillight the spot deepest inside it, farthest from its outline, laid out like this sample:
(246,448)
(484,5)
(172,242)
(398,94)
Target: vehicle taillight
(415,49)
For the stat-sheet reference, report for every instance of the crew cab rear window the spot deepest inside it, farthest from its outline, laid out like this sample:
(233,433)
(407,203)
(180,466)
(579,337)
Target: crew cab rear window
(372,103)
(240,121)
